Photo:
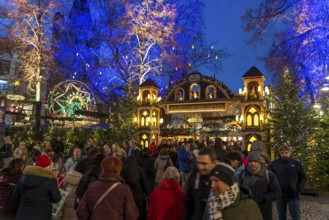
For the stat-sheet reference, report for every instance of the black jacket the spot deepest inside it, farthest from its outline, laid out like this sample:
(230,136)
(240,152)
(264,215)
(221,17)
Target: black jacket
(36,190)
(197,191)
(290,175)
(264,189)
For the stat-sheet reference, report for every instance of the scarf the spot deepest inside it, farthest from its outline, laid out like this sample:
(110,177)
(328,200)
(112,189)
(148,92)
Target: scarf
(216,203)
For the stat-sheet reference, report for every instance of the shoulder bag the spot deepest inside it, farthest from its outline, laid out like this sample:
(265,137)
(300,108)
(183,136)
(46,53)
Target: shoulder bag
(103,196)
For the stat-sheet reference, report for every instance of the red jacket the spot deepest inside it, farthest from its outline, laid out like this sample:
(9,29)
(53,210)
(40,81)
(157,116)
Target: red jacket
(166,202)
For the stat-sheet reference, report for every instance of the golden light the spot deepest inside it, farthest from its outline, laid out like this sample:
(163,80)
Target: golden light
(161,120)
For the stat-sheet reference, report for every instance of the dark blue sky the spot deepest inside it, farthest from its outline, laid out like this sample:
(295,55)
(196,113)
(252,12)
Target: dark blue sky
(223,23)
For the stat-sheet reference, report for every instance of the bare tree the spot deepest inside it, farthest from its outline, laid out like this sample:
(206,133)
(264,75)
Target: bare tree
(302,42)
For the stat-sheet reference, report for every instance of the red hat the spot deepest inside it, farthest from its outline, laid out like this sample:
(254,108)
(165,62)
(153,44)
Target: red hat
(153,144)
(42,161)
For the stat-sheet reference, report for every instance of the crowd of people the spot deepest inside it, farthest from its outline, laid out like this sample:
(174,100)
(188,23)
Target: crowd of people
(174,180)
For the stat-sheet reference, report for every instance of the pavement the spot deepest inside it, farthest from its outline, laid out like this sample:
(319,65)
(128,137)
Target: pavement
(312,207)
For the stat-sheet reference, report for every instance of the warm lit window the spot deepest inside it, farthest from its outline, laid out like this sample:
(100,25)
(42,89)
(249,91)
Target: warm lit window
(145,118)
(144,141)
(251,139)
(154,118)
(211,92)
(179,94)
(252,117)
(194,91)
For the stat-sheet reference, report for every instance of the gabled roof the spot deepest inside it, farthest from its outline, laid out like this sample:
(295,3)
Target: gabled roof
(253,71)
(149,82)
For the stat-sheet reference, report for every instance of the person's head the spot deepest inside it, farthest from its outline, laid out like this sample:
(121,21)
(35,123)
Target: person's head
(111,164)
(206,160)
(163,152)
(48,144)
(58,138)
(107,149)
(22,144)
(115,147)
(221,178)
(42,161)
(7,139)
(187,146)
(235,158)
(171,173)
(254,160)
(90,141)
(121,152)
(285,152)
(126,145)
(15,166)
(265,159)
(76,153)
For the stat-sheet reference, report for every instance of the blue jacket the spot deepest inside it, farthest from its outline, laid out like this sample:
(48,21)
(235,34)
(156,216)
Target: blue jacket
(184,160)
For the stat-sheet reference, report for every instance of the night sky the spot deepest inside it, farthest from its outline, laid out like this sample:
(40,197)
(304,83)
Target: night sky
(223,23)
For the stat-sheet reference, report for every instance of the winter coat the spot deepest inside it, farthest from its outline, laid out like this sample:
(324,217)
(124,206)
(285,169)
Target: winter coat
(118,204)
(71,182)
(291,176)
(91,175)
(197,191)
(6,151)
(147,164)
(174,158)
(166,202)
(184,160)
(264,189)
(159,166)
(36,190)
(243,208)
(7,186)
(139,190)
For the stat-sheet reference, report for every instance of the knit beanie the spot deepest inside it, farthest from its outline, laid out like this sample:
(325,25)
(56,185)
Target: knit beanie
(171,173)
(254,155)
(224,172)
(42,161)
(266,157)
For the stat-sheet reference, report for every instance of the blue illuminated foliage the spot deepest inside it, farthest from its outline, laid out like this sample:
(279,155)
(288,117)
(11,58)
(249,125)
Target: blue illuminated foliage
(302,44)
(92,46)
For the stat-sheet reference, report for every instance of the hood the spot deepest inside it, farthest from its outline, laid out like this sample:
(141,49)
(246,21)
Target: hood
(109,177)
(34,175)
(73,177)
(169,184)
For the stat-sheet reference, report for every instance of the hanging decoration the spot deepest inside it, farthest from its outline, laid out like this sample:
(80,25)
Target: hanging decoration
(69,96)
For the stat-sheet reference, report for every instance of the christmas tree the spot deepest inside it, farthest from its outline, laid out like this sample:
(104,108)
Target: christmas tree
(292,121)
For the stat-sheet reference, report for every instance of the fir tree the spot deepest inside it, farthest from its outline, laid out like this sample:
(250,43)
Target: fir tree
(291,121)
(319,155)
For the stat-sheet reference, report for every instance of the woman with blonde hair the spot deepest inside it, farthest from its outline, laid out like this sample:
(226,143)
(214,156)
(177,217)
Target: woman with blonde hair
(21,151)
